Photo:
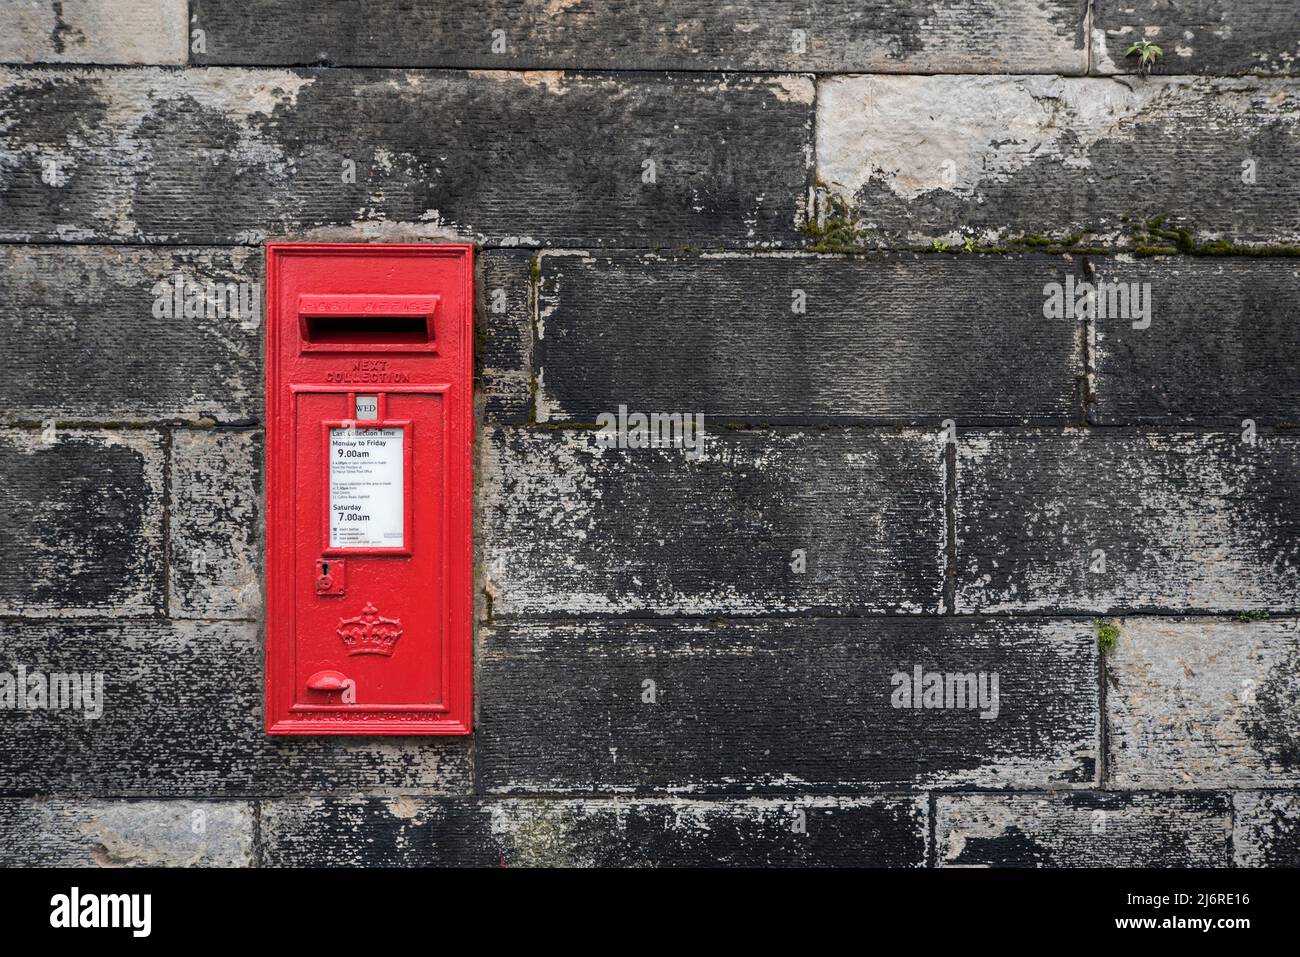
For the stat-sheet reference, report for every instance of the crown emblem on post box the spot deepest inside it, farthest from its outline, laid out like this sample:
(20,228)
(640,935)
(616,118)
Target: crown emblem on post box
(369,633)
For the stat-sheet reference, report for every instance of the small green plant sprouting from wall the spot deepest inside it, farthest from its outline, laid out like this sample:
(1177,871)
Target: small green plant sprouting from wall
(967,246)
(1258,615)
(836,230)
(1147,53)
(1107,636)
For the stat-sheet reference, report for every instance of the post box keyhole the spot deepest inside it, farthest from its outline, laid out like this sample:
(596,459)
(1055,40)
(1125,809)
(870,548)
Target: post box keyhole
(329,576)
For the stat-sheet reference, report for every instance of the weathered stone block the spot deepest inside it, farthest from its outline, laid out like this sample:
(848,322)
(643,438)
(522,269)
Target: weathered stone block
(94,31)
(781,338)
(503,350)
(1112,520)
(786,705)
(570,527)
(508,158)
(1083,829)
(1222,345)
(58,832)
(83,522)
(947,36)
(130,334)
(1001,158)
(216,525)
(1266,829)
(419,832)
(1197,36)
(1194,703)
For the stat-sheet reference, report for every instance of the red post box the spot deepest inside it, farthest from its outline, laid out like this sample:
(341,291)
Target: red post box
(369,361)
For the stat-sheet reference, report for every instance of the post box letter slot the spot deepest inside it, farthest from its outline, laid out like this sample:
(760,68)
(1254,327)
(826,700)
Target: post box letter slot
(365,323)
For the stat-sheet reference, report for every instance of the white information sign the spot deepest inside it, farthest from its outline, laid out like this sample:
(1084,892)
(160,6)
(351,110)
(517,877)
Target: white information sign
(367,493)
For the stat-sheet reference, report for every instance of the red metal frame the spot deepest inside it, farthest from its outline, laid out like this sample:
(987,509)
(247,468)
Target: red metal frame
(428,380)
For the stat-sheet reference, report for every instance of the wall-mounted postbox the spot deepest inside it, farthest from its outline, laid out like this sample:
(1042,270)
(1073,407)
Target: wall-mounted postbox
(368,534)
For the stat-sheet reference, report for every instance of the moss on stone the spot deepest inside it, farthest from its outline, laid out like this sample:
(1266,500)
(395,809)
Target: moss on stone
(1107,636)
(1161,240)
(1039,241)
(836,230)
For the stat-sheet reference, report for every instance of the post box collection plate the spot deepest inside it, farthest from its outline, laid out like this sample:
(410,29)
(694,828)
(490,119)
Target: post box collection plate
(369,406)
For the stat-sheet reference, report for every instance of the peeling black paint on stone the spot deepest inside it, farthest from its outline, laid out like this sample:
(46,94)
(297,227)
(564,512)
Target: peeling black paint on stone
(420,832)
(1092,156)
(1225,37)
(1084,830)
(571,528)
(1266,829)
(236,155)
(1274,727)
(215,505)
(944,36)
(779,706)
(1188,521)
(86,318)
(81,522)
(1013,847)
(898,338)
(1223,344)
(61,28)
(503,351)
